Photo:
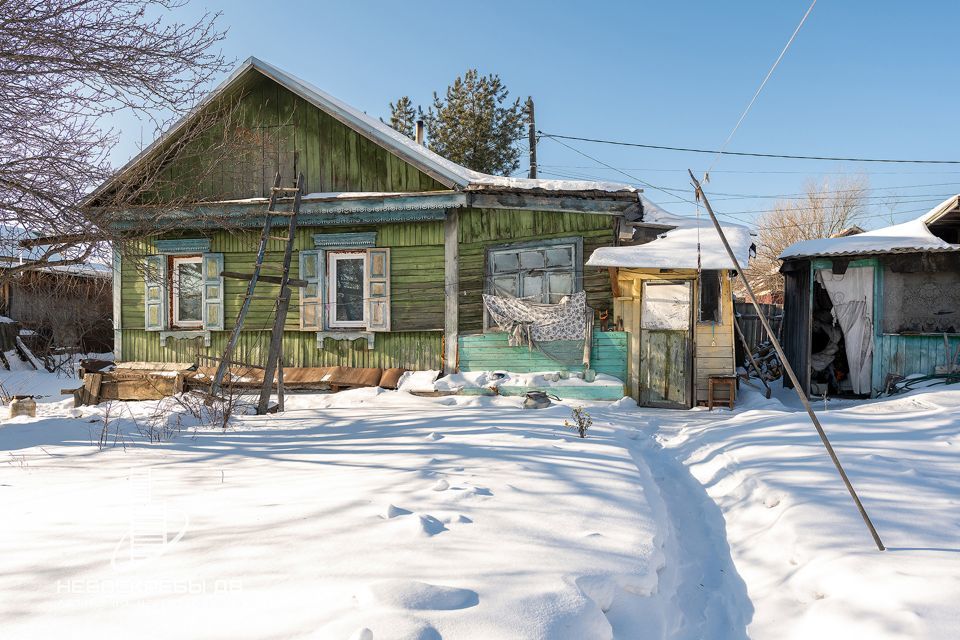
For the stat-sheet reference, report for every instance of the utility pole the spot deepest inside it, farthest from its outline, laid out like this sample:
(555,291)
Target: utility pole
(787,368)
(532,137)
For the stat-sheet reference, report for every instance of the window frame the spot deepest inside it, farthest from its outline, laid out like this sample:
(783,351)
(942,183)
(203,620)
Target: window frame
(174,288)
(576,268)
(699,309)
(332,258)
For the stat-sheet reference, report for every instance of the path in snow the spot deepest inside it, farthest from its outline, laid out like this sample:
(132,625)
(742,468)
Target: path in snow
(700,593)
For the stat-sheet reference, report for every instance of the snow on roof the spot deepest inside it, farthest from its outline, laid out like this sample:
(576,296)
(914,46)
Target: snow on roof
(11,253)
(913,235)
(448,172)
(85,270)
(10,248)
(677,248)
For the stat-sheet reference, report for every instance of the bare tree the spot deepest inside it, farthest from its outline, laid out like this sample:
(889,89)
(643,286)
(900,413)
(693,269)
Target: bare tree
(64,66)
(828,208)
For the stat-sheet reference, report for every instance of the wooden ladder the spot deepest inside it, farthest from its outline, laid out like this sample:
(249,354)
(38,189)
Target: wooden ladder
(274,364)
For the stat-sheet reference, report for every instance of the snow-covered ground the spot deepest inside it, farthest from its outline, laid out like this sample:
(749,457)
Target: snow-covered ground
(409,517)
(810,565)
(380,515)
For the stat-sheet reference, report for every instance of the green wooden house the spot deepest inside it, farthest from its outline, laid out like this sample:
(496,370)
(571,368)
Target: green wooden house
(396,243)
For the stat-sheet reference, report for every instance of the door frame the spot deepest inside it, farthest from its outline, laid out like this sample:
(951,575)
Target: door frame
(689,346)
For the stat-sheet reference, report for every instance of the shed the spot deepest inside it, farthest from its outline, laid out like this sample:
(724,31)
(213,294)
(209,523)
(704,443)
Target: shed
(863,308)
(673,298)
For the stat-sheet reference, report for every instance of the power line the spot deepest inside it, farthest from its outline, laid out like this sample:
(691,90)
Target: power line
(612,168)
(756,94)
(755,171)
(855,220)
(555,136)
(788,196)
(731,215)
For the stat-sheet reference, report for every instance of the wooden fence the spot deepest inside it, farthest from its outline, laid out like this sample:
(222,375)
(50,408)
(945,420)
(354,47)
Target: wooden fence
(751,326)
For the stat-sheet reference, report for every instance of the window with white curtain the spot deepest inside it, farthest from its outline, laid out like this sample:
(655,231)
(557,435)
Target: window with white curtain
(187,282)
(345,287)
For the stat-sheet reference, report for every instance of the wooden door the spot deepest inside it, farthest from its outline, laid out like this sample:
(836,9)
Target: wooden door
(665,344)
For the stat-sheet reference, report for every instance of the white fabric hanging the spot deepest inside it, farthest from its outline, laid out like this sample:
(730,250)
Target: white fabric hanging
(851,294)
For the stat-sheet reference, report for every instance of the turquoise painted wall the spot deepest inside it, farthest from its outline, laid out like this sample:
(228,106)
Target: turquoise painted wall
(490,351)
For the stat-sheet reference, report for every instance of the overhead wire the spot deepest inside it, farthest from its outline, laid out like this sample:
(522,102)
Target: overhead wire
(722,152)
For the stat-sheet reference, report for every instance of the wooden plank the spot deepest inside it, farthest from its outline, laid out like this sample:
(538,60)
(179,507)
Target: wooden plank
(143,389)
(234,275)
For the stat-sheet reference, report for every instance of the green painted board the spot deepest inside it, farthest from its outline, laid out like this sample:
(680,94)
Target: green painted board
(491,351)
(600,392)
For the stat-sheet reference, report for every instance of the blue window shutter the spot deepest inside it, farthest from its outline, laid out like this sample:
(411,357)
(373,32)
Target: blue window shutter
(378,289)
(213,291)
(155,293)
(311,296)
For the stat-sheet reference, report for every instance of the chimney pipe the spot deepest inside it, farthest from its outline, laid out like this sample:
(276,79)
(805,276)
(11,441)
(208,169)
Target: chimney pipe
(419,132)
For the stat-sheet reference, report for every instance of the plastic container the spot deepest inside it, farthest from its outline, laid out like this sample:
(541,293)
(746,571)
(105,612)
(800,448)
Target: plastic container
(23,406)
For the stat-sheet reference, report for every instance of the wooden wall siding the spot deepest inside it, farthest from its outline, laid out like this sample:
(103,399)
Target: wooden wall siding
(797,286)
(714,343)
(483,228)
(490,351)
(273,124)
(904,355)
(417,276)
(418,350)
(715,349)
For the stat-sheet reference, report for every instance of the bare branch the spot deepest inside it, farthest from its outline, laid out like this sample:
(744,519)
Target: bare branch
(828,208)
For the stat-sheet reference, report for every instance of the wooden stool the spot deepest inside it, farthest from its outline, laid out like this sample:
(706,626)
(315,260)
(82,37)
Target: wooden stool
(730,382)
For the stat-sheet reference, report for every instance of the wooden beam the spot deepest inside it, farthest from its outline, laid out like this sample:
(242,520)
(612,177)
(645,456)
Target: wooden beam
(560,203)
(69,238)
(236,275)
(451,289)
(614,282)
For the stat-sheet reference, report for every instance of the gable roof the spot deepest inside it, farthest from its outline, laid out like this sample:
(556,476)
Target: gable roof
(444,171)
(906,237)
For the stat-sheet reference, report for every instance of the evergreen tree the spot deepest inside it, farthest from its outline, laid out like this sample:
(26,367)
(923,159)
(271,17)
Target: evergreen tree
(474,124)
(403,116)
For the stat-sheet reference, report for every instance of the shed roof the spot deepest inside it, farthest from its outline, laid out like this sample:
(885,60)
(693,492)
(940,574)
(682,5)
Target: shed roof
(447,172)
(906,237)
(677,247)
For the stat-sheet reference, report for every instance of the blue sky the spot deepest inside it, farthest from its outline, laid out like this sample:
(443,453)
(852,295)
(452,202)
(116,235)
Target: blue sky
(864,79)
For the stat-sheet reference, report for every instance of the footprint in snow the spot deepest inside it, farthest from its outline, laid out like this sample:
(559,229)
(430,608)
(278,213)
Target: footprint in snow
(418,525)
(416,595)
(383,624)
(467,493)
(392,511)
(454,518)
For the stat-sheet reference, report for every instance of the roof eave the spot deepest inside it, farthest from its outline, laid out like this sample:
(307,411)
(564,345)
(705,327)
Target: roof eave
(877,252)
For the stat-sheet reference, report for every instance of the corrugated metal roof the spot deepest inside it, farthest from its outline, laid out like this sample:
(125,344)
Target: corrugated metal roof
(907,237)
